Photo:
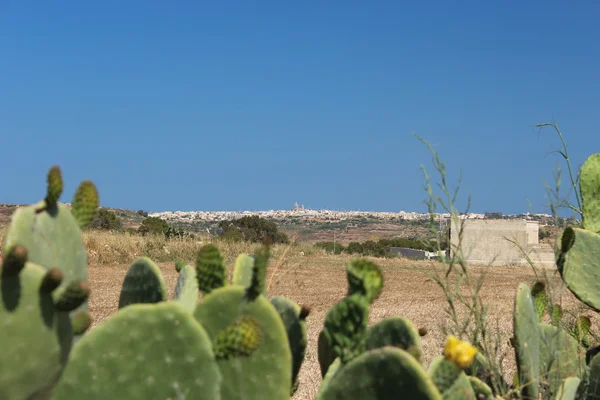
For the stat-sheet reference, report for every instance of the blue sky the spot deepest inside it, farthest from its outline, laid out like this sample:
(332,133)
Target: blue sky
(254,105)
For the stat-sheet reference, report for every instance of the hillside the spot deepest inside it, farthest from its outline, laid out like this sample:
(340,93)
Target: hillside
(308,226)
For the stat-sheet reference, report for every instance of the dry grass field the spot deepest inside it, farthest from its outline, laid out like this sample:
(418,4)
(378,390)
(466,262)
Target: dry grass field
(316,280)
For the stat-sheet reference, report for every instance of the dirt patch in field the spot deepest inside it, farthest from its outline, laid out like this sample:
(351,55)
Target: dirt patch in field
(320,282)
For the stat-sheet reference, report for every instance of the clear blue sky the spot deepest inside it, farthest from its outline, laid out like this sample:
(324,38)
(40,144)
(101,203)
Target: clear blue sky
(254,105)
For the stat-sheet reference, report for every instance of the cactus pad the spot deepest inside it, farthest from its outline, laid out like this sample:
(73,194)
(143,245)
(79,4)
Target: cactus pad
(143,283)
(144,351)
(295,327)
(386,373)
(560,357)
(480,389)
(540,298)
(266,373)
(527,342)
(395,331)
(85,203)
(186,289)
(444,373)
(36,338)
(242,270)
(346,326)
(578,262)
(55,186)
(210,269)
(589,185)
(568,390)
(259,273)
(364,277)
(53,239)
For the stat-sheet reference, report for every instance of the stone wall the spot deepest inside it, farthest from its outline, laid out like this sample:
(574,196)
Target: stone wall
(485,242)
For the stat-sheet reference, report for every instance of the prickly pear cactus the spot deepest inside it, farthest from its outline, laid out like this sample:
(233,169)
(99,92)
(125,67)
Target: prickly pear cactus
(242,270)
(589,386)
(325,355)
(36,337)
(568,390)
(386,373)
(259,273)
(210,269)
(395,331)
(186,289)
(144,351)
(560,357)
(263,372)
(589,186)
(540,298)
(578,250)
(345,327)
(578,261)
(143,283)
(294,320)
(364,277)
(527,336)
(481,389)
(450,380)
(51,231)
(330,373)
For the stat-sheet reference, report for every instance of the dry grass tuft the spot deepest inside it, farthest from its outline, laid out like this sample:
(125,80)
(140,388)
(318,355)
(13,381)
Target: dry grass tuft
(117,248)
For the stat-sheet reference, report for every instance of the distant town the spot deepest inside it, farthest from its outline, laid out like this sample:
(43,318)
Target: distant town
(302,213)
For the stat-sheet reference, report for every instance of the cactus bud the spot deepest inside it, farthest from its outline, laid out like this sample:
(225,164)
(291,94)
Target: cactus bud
(14,261)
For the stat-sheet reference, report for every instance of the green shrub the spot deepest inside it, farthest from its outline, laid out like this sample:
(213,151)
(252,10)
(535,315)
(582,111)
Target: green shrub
(153,225)
(330,247)
(178,233)
(106,220)
(354,248)
(252,229)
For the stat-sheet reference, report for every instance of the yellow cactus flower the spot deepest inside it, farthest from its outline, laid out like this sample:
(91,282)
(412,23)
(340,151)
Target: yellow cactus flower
(459,352)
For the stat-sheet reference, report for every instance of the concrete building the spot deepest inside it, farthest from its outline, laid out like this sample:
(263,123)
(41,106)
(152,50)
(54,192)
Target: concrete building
(488,242)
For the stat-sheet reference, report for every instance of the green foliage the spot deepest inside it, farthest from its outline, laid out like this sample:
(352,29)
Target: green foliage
(330,247)
(380,248)
(178,233)
(142,213)
(153,226)
(106,220)
(354,248)
(252,229)
(543,233)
